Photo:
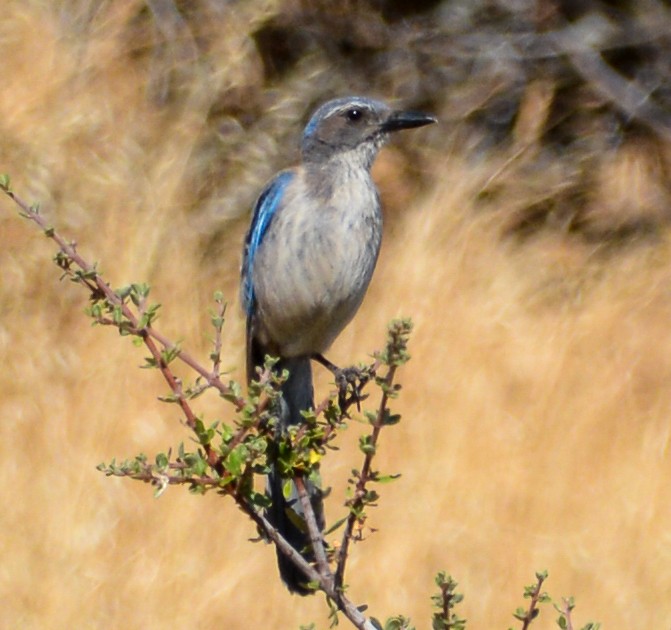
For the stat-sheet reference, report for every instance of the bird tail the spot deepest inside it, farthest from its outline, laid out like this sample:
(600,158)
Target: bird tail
(286,513)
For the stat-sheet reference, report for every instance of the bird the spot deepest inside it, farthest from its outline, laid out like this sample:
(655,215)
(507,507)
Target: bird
(308,258)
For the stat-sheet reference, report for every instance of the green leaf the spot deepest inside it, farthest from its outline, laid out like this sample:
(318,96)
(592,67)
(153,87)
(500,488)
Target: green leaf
(149,362)
(339,523)
(389,419)
(520,613)
(259,499)
(124,292)
(117,314)
(234,462)
(371,416)
(199,465)
(387,478)
(170,354)
(149,316)
(141,289)
(398,622)
(205,435)
(366,445)
(5,182)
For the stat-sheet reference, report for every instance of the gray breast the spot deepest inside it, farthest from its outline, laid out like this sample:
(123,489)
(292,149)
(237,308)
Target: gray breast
(322,247)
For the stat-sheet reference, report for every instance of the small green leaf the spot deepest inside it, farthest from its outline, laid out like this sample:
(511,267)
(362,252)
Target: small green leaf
(339,523)
(205,435)
(387,478)
(389,418)
(396,623)
(170,354)
(117,314)
(371,416)
(141,289)
(260,499)
(366,445)
(123,292)
(198,464)
(235,460)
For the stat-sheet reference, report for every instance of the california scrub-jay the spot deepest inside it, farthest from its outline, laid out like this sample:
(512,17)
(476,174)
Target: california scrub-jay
(308,259)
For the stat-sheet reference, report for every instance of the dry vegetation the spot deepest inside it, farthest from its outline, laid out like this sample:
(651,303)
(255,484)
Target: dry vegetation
(527,235)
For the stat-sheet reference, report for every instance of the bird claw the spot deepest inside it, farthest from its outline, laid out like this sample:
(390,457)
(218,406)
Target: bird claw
(350,381)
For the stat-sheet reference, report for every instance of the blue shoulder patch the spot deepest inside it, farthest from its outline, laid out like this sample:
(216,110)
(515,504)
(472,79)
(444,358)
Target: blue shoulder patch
(264,210)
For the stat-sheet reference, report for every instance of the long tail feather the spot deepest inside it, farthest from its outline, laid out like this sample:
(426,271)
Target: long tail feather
(286,513)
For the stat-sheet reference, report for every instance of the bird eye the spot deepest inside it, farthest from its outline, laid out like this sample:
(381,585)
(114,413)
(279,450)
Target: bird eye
(354,114)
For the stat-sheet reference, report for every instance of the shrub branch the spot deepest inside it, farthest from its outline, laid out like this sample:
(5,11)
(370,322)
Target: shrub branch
(230,456)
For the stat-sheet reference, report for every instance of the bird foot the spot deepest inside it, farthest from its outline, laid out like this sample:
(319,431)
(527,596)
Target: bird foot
(349,381)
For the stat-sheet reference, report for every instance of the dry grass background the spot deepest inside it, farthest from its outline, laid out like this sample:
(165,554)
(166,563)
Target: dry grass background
(536,407)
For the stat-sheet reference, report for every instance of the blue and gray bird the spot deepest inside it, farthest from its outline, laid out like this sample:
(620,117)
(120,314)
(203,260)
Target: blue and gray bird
(308,259)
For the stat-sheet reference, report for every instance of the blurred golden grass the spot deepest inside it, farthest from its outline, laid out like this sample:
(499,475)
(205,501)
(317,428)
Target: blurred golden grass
(536,426)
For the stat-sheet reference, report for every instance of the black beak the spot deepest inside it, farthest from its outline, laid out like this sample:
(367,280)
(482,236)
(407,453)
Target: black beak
(406,120)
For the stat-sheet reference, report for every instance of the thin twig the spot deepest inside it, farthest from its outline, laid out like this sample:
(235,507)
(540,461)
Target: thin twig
(535,597)
(347,607)
(316,539)
(363,479)
(148,333)
(565,610)
(218,327)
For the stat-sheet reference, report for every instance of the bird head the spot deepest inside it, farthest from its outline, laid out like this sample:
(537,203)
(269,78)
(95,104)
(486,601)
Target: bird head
(355,125)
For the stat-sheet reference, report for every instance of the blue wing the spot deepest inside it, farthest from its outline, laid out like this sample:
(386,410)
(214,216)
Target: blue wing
(264,210)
